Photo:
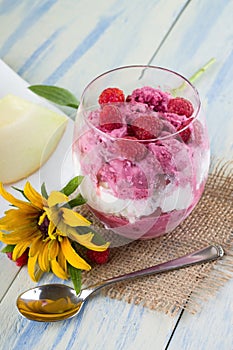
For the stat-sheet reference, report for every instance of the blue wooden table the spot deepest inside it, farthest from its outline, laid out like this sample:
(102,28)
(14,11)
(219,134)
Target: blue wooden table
(68,43)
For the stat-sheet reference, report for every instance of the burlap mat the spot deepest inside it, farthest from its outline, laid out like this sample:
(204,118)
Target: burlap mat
(210,222)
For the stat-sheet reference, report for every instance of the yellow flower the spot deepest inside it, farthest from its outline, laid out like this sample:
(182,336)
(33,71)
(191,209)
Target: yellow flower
(47,227)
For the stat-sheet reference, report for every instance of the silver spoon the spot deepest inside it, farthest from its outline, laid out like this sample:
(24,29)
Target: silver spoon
(56,302)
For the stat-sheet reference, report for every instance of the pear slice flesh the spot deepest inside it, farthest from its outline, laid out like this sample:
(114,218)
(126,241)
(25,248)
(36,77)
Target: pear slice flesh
(29,134)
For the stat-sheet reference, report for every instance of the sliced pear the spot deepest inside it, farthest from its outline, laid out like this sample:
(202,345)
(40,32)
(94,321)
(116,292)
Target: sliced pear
(29,134)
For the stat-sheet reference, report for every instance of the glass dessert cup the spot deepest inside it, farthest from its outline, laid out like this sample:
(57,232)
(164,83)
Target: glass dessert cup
(144,156)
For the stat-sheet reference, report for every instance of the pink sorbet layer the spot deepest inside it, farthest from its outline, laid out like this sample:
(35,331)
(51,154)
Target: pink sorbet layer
(142,188)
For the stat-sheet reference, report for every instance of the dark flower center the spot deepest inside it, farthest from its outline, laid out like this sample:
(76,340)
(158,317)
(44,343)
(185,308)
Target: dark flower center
(44,227)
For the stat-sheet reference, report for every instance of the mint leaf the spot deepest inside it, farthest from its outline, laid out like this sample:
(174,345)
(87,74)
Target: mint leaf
(55,94)
(76,277)
(19,190)
(44,191)
(79,200)
(8,248)
(72,185)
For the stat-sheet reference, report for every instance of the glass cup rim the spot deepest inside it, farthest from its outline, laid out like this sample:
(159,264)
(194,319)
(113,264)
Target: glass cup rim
(141,66)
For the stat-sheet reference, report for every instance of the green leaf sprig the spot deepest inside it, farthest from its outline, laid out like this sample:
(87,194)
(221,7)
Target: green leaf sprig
(194,77)
(202,70)
(68,189)
(8,248)
(56,95)
(72,185)
(76,278)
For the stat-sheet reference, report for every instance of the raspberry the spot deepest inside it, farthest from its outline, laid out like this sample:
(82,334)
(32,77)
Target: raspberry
(9,254)
(186,133)
(110,118)
(22,260)
(98,257)
(180,106)
(131,150)
(111,95)
(147,127)
(155,99)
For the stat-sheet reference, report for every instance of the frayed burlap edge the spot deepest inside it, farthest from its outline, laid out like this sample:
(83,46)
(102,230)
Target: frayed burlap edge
(210,222)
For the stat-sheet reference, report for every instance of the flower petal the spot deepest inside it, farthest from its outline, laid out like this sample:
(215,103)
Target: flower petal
(51,229)
(16,202)
(33,196)
(34,270)
(85,240)
(56,197)
(73,219)
(43,257)
(35,247)
(19,249)
(62,260)
(19,235)
(41,218)
(72,257)
(16,226)
(17,217)
(53,215)
(53,249)
(57,270)
(62,228)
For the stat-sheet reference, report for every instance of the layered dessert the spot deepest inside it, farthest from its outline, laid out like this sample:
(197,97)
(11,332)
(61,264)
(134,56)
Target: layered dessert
(145,158)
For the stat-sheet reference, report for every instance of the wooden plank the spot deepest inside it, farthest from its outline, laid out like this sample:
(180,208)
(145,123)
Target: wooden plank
(8,272)
(66,44)
(63,43)
(211,328)
(104,323)
(209,33)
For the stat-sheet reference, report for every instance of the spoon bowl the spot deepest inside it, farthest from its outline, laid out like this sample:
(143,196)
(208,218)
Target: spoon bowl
(51,302)
(56,302)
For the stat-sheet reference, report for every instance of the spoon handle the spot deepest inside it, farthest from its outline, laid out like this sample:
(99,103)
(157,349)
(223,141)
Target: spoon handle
(209,253)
